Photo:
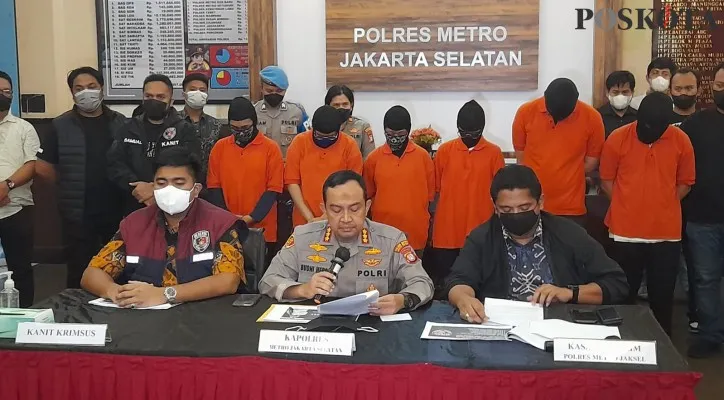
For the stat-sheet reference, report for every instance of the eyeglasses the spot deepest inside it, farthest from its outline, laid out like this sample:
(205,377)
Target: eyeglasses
(7,92)
(390,132)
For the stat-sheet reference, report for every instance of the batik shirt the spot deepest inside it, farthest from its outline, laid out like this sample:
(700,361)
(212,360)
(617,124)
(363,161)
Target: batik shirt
(529,266)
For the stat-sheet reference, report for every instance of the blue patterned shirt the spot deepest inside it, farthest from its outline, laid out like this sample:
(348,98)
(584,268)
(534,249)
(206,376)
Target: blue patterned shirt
(529,266)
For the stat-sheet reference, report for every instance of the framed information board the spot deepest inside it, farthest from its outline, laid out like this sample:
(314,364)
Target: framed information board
(693,41)
(174,38)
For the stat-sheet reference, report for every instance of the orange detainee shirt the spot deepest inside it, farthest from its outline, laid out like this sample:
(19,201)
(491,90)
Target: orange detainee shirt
(557,152)
(463,179)
(401,189)
(645,203)
(309,165)
(244,174)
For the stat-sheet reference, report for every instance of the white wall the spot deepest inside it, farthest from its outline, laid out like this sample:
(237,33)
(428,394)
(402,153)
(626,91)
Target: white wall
(563,52)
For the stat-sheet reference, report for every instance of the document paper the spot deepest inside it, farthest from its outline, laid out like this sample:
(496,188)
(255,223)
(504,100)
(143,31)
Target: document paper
(101,302)
(353,305)
(486,331)
(513,313)
(290,314)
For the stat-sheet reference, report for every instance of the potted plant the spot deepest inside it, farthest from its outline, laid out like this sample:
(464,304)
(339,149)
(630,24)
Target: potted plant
(425,137)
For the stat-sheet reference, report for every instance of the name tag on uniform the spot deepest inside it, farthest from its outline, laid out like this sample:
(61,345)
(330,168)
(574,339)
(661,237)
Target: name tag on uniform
(203,256)
(132,259)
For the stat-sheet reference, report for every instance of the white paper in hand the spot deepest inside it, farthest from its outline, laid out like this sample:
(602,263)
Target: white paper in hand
(352,305)
(514,313)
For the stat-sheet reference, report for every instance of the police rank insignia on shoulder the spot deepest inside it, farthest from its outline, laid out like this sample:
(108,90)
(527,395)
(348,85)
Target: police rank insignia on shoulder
(370,136)
(373,252)
(327,235)
(316,258)
(317,247)
(169,133)
(409,254)
(201,241)
(289,243)
(400,245)
(371,262)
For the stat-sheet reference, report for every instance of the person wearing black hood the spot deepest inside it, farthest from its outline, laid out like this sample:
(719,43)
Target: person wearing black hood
(138,142)
(464,169)
(400,179)
(561,138)
(647,168)
(246,172)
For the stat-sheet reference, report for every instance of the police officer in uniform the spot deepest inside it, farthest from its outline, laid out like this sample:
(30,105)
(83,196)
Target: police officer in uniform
(342,98)
(280,121)
(381,258)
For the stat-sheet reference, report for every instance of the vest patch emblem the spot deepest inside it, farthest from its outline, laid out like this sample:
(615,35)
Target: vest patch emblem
(200,240)
(169,133)
(289,243)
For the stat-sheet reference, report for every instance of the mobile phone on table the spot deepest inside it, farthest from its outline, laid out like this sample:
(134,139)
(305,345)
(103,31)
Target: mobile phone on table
(609,316)
(246,300)
(584,316)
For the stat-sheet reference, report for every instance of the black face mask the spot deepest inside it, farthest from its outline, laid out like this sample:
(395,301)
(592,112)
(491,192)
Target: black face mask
(649,132)
(5,102)
(719,98)
(519,223)
(684,101)
(155,109)
(273,99)
(344,114)
(324,141)
(243,137)
(397,143)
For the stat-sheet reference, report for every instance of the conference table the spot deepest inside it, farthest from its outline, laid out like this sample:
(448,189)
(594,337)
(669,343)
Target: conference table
(208,350)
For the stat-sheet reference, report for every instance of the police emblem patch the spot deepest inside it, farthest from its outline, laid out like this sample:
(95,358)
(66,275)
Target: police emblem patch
(371,262)
(316,258)
(289,243)
(373,252)
(201,240)
(169,133)
(409,254)
(317,247)
(400,245)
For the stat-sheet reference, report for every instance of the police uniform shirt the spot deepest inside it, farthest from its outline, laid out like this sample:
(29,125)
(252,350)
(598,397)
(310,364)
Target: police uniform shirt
(361,132)
(381,259)
(281,124)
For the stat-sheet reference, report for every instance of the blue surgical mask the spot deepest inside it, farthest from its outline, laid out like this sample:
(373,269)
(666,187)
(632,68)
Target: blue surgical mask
(324,141)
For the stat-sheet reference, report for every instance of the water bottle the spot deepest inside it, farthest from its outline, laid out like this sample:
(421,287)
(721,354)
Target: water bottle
(9,296)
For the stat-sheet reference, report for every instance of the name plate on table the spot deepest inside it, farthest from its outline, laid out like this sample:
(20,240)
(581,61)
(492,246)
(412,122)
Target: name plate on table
(604,351)
(65,334)
(323,343)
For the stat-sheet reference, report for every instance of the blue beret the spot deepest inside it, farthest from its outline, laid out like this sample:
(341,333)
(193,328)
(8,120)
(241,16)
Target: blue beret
(275,76)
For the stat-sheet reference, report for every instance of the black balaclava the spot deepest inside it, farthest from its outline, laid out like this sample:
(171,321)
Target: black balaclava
(398,118)
(326,120)
(240,109)
(653,117)
(471,122)
(561,97)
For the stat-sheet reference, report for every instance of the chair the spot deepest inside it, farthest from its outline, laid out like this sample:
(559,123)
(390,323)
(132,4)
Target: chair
(254,258)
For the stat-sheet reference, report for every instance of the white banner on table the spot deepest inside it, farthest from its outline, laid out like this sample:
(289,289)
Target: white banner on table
(486,331)
(289,314)
(605,351)
(65,334)
(323,343)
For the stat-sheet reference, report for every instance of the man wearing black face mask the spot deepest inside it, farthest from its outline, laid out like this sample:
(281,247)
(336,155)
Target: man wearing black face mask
(138,142)
(246,172)
(523,253)
(704,214)
(401,162)
(647,167)
(561,138)
(685,91)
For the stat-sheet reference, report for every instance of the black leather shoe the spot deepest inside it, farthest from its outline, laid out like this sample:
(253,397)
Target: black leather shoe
(703,349)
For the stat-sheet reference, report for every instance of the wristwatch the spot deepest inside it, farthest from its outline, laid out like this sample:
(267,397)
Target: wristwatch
(574,299)
(170,293)
(409,303)
(11,184)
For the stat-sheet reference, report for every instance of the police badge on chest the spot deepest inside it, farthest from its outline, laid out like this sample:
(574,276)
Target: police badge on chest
(201,241)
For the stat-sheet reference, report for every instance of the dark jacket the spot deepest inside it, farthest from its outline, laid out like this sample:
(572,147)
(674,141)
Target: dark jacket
(575,259)
(131,157)
(144,236)
(72,161)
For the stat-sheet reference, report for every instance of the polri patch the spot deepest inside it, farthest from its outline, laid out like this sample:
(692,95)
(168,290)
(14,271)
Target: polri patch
(289,243)
(169,133)
(201,241)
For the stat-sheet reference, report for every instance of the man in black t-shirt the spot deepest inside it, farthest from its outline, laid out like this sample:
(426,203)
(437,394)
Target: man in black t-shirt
(704,211)
(685,91)
(73,155)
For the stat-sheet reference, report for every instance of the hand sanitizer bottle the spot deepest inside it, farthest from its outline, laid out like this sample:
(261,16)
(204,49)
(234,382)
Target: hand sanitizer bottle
(9,296)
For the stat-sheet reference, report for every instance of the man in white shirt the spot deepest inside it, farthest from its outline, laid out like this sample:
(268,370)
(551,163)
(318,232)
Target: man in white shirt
(19,145)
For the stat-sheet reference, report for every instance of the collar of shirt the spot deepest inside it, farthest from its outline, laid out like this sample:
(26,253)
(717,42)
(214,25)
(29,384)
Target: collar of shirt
(536,237)
(363,240)
(607,110)
(10,118)
(188,118)
(459,145)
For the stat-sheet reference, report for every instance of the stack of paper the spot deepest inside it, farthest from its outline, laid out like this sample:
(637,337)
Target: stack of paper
(101,302)
(513,313)
(536,333)
(486,331)
(353,305)
(287,313)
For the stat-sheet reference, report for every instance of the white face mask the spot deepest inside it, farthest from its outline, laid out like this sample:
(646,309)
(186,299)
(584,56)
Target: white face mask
(196,99)
(659,84)
(88,100)
(620,101)
(172,200)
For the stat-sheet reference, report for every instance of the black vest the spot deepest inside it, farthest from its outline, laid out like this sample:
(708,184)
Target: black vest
(71,166)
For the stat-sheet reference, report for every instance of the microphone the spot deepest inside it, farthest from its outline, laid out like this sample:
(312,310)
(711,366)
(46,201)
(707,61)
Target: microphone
(341,256)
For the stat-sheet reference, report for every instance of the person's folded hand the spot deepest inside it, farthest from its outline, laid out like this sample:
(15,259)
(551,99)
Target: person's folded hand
(140,294)
(547,294)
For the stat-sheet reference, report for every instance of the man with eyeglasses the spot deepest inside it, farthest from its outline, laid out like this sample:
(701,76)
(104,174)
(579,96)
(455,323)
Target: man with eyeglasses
(400,179)
(312,157)
(464,170)
(19,147)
